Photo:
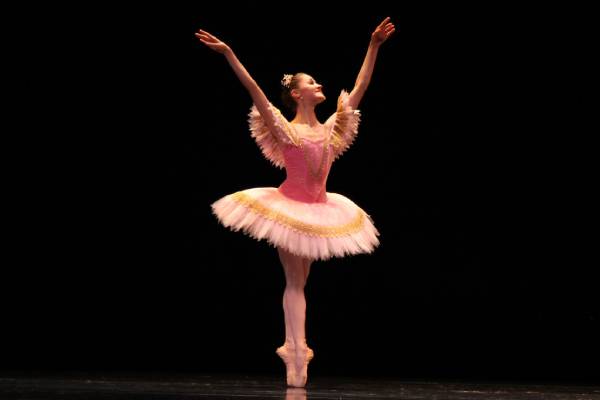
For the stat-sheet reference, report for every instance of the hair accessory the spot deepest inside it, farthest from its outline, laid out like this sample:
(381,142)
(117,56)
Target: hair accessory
(287,80)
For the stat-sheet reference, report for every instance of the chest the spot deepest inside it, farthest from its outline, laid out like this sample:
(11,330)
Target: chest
(313,133)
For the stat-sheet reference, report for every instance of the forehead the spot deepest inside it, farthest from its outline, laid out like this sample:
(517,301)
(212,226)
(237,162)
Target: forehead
(307,78)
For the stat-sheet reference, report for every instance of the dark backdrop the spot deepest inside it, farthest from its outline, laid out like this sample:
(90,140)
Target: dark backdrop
(461,160)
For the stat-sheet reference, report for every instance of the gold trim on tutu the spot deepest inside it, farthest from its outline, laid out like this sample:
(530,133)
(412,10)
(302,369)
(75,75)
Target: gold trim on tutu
(319,230)
(309,229)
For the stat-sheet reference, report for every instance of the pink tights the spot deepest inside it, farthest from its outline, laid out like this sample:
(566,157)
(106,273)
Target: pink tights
(295,351)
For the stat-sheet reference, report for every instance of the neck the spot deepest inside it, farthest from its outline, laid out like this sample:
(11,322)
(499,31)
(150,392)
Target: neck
(305,114)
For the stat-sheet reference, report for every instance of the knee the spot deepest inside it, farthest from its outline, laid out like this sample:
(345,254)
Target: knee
(296,284)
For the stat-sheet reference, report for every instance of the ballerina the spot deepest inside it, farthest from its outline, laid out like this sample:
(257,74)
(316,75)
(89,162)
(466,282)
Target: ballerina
(300,218)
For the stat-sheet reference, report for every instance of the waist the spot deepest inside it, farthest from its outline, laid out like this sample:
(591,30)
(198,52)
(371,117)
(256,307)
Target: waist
(303,193)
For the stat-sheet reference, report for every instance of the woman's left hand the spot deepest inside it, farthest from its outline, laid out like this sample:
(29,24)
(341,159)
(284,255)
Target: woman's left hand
(383,31)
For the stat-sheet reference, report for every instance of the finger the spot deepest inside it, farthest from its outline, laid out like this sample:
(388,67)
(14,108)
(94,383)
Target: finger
(209,35)
(209,44)
(204,37)
(390,32)
(389,28)
(384,22)
(208,39)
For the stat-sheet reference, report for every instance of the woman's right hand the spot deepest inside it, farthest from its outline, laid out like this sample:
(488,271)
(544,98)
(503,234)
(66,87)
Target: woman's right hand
(212,42)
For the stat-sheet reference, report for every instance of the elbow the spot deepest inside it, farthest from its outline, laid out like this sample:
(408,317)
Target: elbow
(251,85)
(250,82)
(361,86)
(360,89)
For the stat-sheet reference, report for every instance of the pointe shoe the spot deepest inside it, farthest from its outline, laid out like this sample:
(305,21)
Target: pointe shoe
(288,355)
(302,360)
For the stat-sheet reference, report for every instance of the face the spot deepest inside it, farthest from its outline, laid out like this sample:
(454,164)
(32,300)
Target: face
(308,90)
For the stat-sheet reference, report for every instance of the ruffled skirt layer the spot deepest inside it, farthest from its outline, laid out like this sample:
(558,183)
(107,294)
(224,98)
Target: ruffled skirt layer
(337,227)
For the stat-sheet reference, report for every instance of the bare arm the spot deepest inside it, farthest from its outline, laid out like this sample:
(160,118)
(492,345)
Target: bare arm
(380,35)
(258,96)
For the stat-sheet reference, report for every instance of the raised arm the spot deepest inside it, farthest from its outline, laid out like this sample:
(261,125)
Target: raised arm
(380,35)
(258,96)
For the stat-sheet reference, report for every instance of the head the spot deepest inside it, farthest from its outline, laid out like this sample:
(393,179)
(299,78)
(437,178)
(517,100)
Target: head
(301,89)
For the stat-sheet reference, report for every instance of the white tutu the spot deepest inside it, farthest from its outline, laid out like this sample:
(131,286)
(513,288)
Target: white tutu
(336,227)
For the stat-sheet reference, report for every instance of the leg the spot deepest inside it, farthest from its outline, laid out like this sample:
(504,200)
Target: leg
(289,338)
(295,351)
(307,264)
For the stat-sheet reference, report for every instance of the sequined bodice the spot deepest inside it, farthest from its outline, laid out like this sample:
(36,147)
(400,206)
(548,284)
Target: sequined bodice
(307,167)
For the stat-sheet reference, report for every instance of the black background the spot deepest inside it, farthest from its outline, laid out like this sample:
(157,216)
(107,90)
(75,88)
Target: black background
(464,159)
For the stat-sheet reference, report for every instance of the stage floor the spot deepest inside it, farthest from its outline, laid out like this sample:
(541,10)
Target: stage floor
(111,386)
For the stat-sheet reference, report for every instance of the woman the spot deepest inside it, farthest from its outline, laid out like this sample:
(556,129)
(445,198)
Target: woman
(300,218)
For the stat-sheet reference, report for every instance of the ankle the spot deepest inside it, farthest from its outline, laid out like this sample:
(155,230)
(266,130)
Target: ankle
(302,345)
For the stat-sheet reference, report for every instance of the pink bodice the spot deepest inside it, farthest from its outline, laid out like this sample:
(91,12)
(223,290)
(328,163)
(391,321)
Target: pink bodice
(307,167)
